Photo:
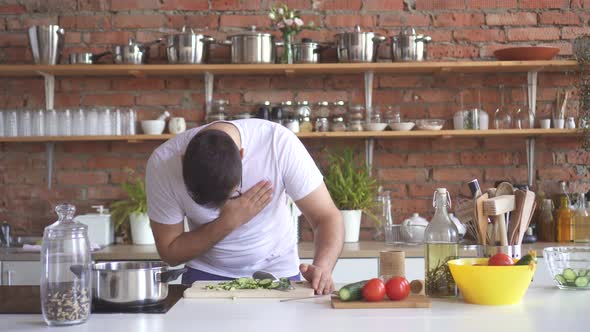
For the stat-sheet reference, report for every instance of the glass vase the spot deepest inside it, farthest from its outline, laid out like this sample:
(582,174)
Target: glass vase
(287,56)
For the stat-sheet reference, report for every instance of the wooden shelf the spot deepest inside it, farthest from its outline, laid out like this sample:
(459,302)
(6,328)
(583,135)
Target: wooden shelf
(326,68)
(361,134)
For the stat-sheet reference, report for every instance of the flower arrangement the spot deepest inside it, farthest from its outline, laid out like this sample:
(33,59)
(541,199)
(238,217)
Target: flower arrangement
(289,22)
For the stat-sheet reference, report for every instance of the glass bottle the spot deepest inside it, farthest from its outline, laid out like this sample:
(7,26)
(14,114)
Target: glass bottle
(582,221)
(564,221)
(546,225)
(441,237)
(66,273)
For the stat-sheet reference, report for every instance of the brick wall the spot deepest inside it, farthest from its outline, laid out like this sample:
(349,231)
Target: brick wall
(91,173)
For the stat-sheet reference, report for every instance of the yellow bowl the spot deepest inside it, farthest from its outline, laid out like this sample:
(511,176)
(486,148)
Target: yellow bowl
(490,285)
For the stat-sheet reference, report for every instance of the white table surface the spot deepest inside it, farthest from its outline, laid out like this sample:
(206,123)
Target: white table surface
(543,308)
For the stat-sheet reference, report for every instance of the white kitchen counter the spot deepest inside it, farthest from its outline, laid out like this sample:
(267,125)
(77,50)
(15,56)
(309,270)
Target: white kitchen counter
(544,308)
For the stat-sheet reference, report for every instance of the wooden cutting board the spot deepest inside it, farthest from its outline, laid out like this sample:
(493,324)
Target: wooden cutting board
(197,290)
(412,301)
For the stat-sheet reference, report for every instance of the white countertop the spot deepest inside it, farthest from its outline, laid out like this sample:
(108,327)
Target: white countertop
(544,308)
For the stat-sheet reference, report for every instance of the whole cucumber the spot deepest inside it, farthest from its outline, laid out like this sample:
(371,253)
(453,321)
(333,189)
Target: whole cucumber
(352,292)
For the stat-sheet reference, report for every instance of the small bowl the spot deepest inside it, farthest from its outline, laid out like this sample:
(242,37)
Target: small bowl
(153,127)
(402,126)
(375,126)
(430,124)
(491,285)
(526,53)
(569,266)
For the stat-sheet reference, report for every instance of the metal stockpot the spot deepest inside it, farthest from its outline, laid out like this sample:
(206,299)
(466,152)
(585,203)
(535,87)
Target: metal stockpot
(85,58)
(132,53)
(306,52)
(358,46)
(132,282)
(252,47)
(188,47)
(409,46)
(47,43)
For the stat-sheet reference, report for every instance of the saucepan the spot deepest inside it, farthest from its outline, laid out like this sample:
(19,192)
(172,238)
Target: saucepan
(86,58)
(188,46)
(132,53)
(130,283)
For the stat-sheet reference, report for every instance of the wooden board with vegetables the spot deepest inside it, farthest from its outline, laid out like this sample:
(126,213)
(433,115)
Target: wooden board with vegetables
(247,288)
(412,301)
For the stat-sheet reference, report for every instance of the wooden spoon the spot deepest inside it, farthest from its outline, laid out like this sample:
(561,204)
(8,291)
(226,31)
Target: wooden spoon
(482,219)
(504,188)
(514,224)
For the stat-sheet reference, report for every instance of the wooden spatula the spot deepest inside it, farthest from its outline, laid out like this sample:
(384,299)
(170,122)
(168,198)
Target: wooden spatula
(497,207)
(482,219)
(527,213)
(514,223)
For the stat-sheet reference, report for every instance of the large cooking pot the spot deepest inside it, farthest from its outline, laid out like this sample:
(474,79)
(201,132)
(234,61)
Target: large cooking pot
(132,282)
(132,53)
(252,47)
(409,46)
(188,47)
(358,46)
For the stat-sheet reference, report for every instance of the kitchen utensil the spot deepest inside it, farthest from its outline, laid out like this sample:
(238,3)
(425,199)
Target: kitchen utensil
(85,58)
(514,224)
(47,42)
(153,127)
(357,46)
(306,51)
(392,263)
(188,47)
(307,298)
(198,290)
(412,301)
(526,53)
(576,259)
(491,285)
(132,52)
(132,282)
(101,230)
(252,47)
(409,46)
(526,215)
(497,207)
(514,251)
(267,275)
(482,220)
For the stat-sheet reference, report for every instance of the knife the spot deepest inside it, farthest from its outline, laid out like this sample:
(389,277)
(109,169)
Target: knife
(267,275)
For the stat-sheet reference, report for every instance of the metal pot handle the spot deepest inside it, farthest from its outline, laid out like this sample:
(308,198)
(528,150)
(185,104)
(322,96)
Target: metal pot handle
(96,57)
(377,40)
(171,275)
(78,268)
(208,40)
(226,42)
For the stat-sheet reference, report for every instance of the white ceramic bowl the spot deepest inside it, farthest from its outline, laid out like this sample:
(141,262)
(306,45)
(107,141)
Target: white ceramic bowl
(402,126)
(153,127)
(375,126)
(430,124)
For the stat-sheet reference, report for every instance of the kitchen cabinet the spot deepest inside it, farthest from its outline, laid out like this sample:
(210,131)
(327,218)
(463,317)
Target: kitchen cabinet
(13,273)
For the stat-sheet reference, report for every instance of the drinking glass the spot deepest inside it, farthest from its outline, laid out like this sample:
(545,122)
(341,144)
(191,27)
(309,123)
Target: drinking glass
(24,123)
(79,123)
(92,123)
(104,123)
(1,124)
(65,123)
(117,123)
(51,123)
(38,126)
(130,123)
(11,124)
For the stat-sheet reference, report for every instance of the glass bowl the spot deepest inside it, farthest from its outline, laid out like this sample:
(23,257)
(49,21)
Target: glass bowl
(430,124)
(569,266)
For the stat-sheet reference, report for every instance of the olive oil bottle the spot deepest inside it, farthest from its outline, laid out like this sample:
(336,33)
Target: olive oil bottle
(582,221)
(441,237)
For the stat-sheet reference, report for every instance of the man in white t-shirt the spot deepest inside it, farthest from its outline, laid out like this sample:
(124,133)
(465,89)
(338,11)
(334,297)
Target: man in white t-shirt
(231,181)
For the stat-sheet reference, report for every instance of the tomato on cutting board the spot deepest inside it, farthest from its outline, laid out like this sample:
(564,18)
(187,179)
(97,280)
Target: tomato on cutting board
(500,259)
(397,288)
(374,290)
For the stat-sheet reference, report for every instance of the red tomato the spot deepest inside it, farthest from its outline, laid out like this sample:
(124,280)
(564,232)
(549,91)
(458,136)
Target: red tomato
(374,290)
(397,288)
(500,259)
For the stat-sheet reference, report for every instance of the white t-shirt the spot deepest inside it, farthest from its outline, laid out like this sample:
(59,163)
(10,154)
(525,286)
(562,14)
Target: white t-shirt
(266,242)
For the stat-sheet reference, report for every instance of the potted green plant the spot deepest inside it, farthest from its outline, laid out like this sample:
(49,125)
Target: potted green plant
(353,190)
(133,210)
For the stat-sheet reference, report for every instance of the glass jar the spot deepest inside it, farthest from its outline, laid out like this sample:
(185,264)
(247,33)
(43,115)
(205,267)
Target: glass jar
(302,109)
(338,124)
(356,118)
(66,274)
(322,125)
(339,108)
(392,115)
(323,109)
(305,125)
(264,111)
(546,225)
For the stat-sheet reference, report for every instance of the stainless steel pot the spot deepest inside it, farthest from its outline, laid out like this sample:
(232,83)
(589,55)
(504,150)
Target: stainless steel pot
(47,43)
(85,58)
(358,46)
(307,51)
(188,47)
(132,282)
(409,46)
(132,53)
(252,47)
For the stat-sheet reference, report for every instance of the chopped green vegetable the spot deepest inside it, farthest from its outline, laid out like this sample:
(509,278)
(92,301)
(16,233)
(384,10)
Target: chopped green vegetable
(250,283)
(569,275)
(560,279)
(570,278)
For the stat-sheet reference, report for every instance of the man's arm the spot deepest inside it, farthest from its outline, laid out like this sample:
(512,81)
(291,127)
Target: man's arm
(176,246)
(326,222)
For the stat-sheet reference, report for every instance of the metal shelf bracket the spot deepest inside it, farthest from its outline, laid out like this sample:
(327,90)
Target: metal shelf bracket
(532,80)
(369,148)
(369,142)
(208,92)
(530,160)
(50,146)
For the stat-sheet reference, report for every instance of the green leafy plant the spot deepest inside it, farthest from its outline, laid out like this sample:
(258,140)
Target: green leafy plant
(349,183)
(136,201)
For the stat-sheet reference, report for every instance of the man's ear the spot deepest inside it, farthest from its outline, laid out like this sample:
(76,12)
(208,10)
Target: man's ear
(242,153)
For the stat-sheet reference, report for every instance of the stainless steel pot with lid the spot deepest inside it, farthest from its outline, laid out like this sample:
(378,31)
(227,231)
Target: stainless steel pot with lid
(409,46)
(358,46)
(130,283)
(307,51)
(188,47)
(252,47)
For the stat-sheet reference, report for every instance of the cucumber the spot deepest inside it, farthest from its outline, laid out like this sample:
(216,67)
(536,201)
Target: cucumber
(560,279)
(569,275)
(583,273)
(265,282)
(581,282)
(352,292)
(531,256)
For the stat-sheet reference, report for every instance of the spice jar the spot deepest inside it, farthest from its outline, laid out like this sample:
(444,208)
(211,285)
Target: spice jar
(264,111)
(303,111)
(66,274)
(338,124)
(339,108)
(322,125)
(323,109)
(356,122)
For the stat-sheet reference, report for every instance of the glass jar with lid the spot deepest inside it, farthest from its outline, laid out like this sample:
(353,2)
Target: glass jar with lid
(392,115)
(303,111)
(66,273)
(323,109)
(263,111)
(356,118)
(219,110)
(338,123)
(339,108)
(322,124)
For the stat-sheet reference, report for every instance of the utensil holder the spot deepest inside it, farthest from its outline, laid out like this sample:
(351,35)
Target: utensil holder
(392,263)
(514,251)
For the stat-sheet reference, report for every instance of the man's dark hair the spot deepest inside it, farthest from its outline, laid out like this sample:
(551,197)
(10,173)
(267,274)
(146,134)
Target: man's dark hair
(211,167)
